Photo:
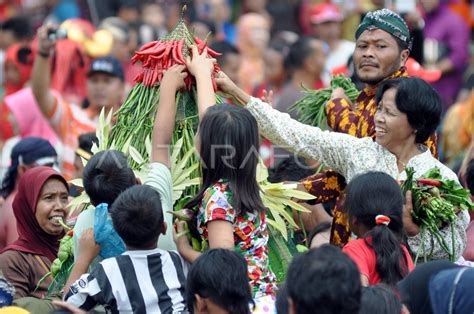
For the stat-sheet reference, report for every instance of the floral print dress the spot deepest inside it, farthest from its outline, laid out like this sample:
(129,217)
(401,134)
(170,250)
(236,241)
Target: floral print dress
(250,235)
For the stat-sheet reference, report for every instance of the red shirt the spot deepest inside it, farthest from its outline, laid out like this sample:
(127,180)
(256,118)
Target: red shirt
(365,259)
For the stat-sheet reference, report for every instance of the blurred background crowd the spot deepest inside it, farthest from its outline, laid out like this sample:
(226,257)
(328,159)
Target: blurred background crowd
(276,45)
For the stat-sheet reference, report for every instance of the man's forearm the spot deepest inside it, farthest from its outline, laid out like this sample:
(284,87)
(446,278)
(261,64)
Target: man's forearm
(40,83)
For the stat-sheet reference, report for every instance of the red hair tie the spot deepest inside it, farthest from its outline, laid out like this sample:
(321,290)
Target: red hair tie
(382,220)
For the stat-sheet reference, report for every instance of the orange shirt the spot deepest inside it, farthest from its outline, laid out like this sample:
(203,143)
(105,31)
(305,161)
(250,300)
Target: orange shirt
(70,121)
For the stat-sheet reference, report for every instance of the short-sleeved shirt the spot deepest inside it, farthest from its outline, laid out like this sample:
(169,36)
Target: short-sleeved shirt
(159,178)
(148,281)
(365,259)
(250,235)
(70,121)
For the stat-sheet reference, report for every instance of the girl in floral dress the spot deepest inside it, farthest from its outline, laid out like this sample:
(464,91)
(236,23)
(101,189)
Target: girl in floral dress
(230,211)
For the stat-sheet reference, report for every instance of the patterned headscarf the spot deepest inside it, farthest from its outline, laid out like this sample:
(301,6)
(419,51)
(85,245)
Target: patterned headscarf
(388,21)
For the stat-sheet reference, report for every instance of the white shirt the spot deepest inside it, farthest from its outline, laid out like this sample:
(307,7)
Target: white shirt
(352,156)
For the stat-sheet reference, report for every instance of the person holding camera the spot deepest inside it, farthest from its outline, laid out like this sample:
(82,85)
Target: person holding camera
(105,89)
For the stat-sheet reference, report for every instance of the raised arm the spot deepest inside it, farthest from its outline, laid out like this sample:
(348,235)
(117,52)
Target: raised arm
(336,150)
(173,80)
(202,67)
(41,76)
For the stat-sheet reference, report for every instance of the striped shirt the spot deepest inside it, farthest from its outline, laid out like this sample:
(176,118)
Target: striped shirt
(151,281)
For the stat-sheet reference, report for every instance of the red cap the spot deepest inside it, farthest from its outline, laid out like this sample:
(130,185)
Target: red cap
(416,70)
(325,12)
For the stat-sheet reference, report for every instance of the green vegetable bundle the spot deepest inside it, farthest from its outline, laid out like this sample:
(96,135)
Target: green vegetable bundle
(312,107)
(435,204)
(62,265)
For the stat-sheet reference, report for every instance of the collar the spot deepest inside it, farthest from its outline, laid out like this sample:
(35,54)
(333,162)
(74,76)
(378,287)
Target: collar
(402,72)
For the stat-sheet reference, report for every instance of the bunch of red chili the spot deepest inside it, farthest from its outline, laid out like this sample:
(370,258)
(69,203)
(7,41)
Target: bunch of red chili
(157,56)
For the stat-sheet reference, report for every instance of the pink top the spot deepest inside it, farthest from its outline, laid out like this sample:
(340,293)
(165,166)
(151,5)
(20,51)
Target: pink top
(30,120)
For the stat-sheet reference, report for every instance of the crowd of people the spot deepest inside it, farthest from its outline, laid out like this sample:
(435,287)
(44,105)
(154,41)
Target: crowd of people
(64,61)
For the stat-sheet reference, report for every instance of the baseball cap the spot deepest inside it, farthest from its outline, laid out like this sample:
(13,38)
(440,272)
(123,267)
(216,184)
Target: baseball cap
(416,70)
(325,12)
(108,65)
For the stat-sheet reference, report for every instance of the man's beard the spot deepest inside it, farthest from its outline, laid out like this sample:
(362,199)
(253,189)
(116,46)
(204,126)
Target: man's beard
(376,80)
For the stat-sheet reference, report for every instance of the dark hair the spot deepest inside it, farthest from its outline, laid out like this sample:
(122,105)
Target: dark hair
(290,169)
(321,227)
(106,175)
(86,140)
(137,216)
(372,194)
(281,302)
(299,51)
(25,152)
(221,276)
(20,26)
(379,299)
(230,154)
(324,280)
(419,101)
(470,176)
(225,48)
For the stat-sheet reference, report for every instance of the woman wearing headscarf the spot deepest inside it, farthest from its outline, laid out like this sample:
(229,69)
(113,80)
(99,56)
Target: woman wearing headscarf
(28,153)
(452,291)
(41,200)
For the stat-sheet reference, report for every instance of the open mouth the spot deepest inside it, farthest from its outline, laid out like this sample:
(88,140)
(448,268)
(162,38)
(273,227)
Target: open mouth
(56,220)
(380,131)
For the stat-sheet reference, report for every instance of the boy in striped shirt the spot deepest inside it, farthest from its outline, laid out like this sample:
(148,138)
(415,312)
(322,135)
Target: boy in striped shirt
(144,279)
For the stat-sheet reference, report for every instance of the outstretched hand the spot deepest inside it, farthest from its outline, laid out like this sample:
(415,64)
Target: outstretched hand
(411,228)
(45,44)
(267,96)
(173,78)
(225,84)
(199,63)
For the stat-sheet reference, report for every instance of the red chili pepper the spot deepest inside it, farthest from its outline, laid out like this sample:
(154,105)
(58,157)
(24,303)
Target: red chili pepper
(213,53)
(70,232)
(174,52)
(200,44)
(139,77)
(214,84)
(180,52)
(431,182)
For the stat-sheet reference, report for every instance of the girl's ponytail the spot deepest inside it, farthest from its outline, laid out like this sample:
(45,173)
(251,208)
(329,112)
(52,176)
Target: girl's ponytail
(375,201)
(391,263)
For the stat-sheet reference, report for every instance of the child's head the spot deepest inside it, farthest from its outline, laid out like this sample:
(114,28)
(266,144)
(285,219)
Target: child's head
(137,217)
(325,279)
(86,140)
(379,299)
(218,279)
(374,202)
(290,169)
(106,175)
(319,235)
(227,142)
(229,62)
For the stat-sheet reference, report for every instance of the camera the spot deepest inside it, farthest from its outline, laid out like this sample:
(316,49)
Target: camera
(56,34)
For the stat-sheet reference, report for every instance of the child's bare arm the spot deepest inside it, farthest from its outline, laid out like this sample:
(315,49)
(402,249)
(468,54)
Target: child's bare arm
(201,67)
(173,80)
(88,250)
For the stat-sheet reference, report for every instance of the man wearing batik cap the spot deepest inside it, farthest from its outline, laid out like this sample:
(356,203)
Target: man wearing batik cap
(383,45)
